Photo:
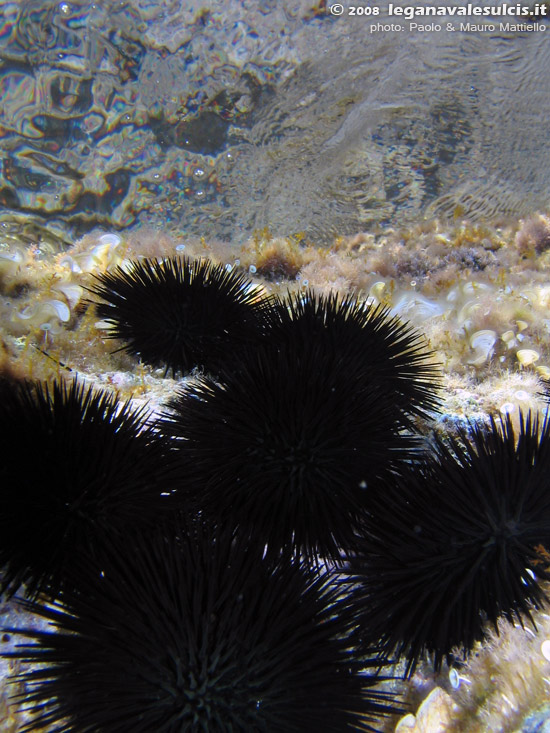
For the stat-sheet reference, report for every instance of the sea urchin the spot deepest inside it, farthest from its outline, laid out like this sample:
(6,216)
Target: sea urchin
(179,313)
(393,356)
(458,543)
(288,445)
(76,466)
(195,633)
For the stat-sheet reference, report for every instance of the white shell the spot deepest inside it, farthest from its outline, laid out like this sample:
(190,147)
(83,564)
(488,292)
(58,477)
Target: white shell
(482,343)
(12,257)
(509,338)
(55,308)
(527,356)
(40,314)
(110,239)
(71,291)
(414,304)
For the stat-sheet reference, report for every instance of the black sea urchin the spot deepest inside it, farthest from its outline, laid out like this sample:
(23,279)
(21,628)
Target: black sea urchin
(459,543)
(179,313)
(392,356)
(198,634)
(75,465)
(289,446)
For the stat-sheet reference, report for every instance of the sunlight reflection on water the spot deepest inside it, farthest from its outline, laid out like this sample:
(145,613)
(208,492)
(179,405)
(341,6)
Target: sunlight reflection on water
(249,115)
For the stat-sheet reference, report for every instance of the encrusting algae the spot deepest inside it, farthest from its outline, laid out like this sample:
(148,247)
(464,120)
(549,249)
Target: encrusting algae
(479,294)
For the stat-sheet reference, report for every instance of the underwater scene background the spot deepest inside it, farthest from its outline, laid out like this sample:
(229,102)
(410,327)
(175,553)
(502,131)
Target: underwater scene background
(217,121)
(306,151)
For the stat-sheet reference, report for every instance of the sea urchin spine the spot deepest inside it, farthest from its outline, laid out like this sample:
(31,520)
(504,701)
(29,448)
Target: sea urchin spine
(76,467)
(393,356)
(179,313)
(459,542)
(195,633)
(289,446)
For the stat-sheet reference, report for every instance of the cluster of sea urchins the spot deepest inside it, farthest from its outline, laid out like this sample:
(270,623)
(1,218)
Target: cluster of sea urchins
(313,527)
(163,622)
(187,621)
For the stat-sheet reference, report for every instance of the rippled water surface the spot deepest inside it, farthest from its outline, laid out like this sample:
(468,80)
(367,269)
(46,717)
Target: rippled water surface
(222,118)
